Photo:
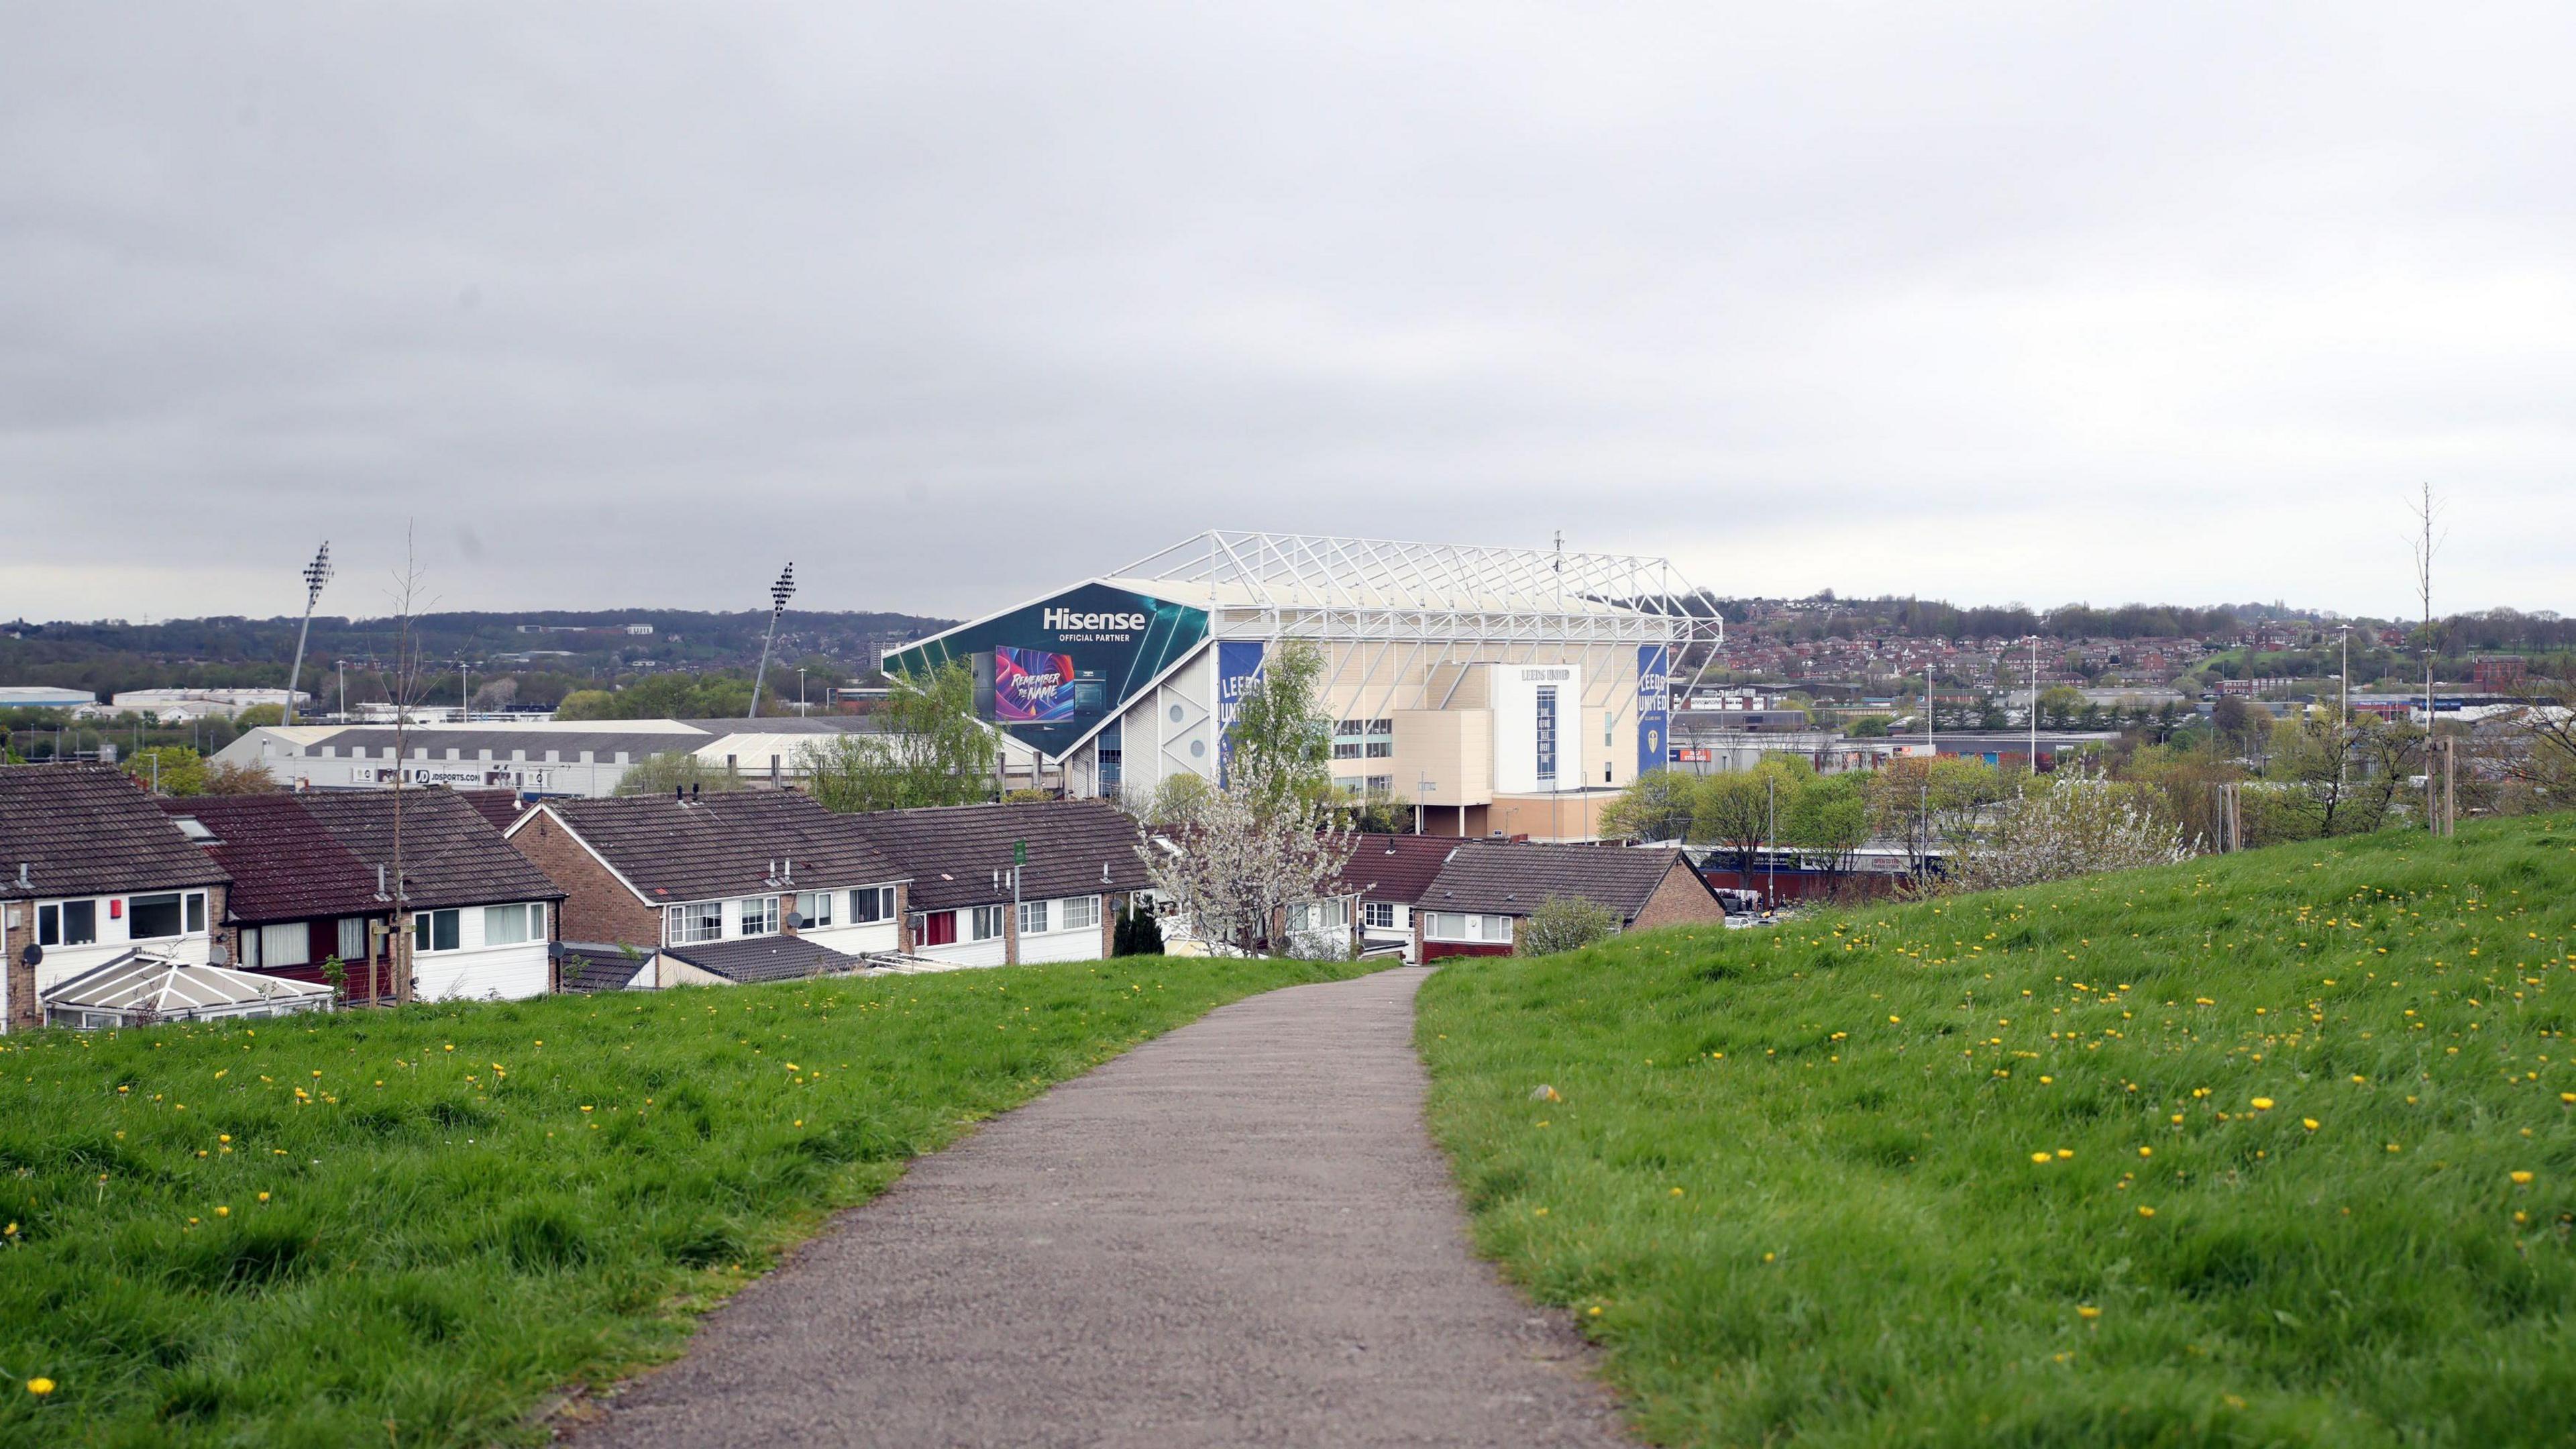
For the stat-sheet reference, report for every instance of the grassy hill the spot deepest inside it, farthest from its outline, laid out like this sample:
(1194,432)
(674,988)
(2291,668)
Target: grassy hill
(413,1227)
(2278,1148)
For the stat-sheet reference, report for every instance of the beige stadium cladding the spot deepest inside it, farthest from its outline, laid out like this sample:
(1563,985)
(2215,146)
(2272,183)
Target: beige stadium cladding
(1443,715)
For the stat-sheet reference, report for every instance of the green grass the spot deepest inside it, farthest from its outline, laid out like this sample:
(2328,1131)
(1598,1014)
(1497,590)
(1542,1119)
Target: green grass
(1993,1170)
(469,1207)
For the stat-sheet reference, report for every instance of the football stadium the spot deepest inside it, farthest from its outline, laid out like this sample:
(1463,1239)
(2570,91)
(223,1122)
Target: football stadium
(1501,691)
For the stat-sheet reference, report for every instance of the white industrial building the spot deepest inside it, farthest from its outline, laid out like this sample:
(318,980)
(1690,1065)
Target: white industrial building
(1502,690)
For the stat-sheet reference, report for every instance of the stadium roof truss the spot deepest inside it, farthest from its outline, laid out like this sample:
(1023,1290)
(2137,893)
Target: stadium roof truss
(1269,586)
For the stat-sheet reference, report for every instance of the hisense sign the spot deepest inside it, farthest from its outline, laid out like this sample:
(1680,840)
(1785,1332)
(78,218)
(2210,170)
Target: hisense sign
(1066,621)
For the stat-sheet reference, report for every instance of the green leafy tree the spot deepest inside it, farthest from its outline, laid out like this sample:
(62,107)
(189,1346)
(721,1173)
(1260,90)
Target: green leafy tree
(1138,932)
(1657,805)
(930,749)
(1827,818)
(1868,727)
(677,770)
(587,704)
(1280,747)
(259,714)
(171,769)
(1563,923)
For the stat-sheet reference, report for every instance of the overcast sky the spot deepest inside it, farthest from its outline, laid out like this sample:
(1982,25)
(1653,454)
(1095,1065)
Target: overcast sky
(625,304)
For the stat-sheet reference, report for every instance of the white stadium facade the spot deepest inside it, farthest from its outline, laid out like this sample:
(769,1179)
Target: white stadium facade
(1502,691)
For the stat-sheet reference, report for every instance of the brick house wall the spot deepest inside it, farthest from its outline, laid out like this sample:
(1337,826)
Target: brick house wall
(597,906)
(1681,900)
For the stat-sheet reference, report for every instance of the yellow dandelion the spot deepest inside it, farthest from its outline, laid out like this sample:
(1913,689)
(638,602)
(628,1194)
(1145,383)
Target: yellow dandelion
(2146,1152)
(40,1386)
(263,1197)
(2088,1311)
(2262,1104)
(2066,1152)
(2308,1122)
(2520,1179)
(223,1212)
(2146,1212)
(2041,1157)
(1677,1192)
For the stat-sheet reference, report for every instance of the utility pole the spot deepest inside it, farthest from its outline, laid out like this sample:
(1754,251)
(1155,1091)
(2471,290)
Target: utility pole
(2034,706)
(2425,511)
(779,593)
(316,574)
(2343,708)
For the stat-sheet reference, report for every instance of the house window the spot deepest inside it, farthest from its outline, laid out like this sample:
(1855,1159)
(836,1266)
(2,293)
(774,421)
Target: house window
(1452,926)
(1082,913)
(759,916)
(271,948)
(872,903)
(353,938)
(934,928)
(430,931)
(72,923)
(1378,915)
(510,925)
(196,912)
(987,924)
(155,918)
(1033,918)
(814,908)
(697,923)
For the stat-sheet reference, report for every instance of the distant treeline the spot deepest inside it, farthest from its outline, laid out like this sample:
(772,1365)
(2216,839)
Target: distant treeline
(1829,617)
(576,645)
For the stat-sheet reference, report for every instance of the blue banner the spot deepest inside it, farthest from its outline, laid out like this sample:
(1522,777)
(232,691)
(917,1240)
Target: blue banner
(1654,705)
(1238,663)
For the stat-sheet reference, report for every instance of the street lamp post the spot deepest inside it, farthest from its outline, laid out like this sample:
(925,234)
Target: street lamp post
(779,593)
(316,574)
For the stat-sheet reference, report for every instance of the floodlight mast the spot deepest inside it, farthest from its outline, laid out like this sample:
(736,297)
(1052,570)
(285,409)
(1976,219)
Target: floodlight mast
(779,593)
(316,574)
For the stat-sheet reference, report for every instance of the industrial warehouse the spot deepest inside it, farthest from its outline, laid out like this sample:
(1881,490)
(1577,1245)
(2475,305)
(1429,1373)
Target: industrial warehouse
(1499,690)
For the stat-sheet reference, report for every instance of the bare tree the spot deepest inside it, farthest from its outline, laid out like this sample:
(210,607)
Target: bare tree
(2427,509)
(404,687)
(2077,824)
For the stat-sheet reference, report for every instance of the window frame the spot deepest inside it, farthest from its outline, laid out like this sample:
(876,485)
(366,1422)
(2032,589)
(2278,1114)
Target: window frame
(1087,907)
(88,914)
(695,923)
(988,924)
(175,902)
(425,931)
(348,927)
(1372,911)
(872,905)
(768,917)
(810,920)
(1034,916)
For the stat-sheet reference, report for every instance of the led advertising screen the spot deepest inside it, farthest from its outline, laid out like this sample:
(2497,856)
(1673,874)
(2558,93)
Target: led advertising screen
(1031,686)
(1101,645)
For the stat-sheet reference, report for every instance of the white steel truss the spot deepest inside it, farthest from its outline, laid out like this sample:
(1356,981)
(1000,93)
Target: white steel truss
(1272,586)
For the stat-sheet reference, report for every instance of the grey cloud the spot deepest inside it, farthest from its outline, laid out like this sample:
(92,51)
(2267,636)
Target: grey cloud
(953,302)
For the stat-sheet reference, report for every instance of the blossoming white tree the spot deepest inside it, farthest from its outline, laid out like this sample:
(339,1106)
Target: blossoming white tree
(1232,858)
(2078,824)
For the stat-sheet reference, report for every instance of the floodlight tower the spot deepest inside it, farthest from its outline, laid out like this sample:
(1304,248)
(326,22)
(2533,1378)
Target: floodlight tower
(316,574)
(779,593)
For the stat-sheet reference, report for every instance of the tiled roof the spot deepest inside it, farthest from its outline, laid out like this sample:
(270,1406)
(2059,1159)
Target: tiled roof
(752,959)
(451,855)
(1076,847)
(284,865)
(501,807)
(725,844)
(1396,868)
(599,966)
(88,830)
(1509,879)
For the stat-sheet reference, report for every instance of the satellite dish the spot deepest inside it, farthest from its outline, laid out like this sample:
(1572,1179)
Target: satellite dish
(34,955)
(795,921)
(219,955)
